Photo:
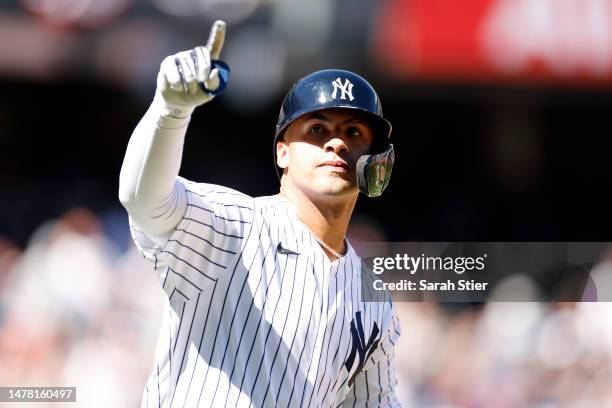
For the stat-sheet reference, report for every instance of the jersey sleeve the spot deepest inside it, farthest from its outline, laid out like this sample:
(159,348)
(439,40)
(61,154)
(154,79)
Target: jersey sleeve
(203,244)
(375,385)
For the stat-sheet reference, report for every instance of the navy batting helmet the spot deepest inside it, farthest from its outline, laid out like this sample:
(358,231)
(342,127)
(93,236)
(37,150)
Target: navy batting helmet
(335,88)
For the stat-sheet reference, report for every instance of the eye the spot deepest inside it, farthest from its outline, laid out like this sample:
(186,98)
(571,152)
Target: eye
(353,131)
(316,129)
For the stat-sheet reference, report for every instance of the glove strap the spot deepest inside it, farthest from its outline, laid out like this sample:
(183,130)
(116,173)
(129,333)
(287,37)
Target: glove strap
(170,115)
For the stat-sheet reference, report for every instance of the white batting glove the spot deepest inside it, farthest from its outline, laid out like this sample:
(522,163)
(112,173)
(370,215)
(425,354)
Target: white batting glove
(179,80)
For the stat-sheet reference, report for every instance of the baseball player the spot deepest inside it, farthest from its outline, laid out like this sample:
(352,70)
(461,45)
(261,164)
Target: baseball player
(264,298)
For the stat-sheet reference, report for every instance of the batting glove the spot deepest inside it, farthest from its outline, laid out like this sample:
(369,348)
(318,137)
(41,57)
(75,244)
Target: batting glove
(191,78)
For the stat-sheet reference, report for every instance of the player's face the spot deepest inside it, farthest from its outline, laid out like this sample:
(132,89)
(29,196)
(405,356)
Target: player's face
(320,151)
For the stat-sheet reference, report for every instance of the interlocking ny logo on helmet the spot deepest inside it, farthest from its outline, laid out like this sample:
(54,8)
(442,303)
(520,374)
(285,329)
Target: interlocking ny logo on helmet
(346,89)
(335,88)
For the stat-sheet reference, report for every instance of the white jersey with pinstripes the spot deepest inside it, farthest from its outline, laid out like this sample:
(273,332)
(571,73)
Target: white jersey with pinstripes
(257,315)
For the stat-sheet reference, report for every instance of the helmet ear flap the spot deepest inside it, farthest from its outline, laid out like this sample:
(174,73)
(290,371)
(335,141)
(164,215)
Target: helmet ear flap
(374,172)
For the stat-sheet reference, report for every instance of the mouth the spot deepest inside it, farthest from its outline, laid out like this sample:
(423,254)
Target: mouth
(339,166)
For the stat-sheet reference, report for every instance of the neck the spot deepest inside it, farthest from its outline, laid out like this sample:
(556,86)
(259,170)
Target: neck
(327,219)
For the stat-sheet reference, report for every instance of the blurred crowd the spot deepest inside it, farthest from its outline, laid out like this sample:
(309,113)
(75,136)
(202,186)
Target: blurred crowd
(506,354)
(80,307)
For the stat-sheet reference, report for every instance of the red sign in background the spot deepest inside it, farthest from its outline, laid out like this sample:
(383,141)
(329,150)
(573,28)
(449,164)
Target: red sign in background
(557,41)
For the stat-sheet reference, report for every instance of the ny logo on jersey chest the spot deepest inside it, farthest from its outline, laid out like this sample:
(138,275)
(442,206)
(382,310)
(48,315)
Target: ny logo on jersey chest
(359,347)
(346,89)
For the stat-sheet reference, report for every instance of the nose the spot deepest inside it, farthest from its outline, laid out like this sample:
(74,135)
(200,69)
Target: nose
(336,144)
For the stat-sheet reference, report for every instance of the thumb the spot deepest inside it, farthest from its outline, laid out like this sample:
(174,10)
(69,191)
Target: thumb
(213,80)
(216,39)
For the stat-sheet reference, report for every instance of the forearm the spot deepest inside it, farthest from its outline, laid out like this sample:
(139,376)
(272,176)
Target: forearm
(147,183)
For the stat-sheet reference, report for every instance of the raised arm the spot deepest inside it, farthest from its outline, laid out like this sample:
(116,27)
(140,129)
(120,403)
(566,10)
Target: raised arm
(148,186)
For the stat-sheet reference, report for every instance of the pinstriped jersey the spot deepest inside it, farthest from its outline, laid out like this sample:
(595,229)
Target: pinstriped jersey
(257,315)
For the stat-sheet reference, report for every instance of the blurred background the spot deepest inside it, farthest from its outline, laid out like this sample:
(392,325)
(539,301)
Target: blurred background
(501,115)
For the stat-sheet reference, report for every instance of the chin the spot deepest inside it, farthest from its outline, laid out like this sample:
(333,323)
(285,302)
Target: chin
(328,187)
(337,188)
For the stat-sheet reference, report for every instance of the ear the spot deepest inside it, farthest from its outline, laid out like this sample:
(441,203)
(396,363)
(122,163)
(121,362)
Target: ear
(282,154)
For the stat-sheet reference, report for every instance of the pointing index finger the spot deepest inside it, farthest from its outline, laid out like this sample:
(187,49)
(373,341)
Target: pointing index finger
(216,38)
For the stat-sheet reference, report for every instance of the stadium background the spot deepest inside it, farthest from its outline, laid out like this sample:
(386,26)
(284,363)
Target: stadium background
(501,114)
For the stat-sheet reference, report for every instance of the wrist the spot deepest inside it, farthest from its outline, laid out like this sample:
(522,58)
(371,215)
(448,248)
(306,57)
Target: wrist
(170,115)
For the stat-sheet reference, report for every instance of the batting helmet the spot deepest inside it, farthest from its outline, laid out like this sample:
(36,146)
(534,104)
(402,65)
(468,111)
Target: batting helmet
(335,88)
